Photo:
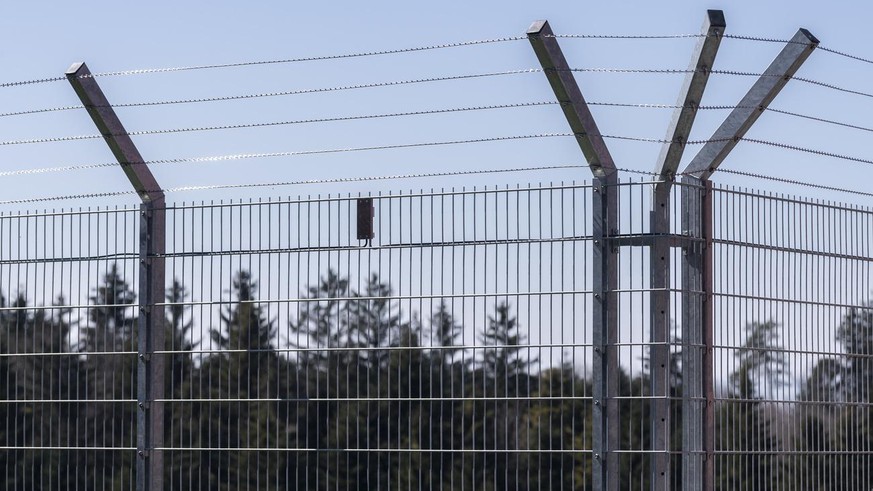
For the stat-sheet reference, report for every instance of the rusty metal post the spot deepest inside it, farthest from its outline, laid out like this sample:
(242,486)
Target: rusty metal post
(152,271)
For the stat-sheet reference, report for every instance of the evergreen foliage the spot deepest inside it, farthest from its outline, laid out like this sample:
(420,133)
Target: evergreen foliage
(358,394)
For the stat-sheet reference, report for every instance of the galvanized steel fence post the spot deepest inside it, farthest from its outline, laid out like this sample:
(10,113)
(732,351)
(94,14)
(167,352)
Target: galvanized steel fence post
(150,336)
(605,370)
(605,268)
(150,374)
(660,265)
(697,423)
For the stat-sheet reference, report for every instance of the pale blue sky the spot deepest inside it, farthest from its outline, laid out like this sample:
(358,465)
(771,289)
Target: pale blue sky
(43,39)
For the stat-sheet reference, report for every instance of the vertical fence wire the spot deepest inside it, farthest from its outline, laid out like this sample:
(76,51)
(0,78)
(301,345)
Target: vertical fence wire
(68,348)
(451,352)
(793,338)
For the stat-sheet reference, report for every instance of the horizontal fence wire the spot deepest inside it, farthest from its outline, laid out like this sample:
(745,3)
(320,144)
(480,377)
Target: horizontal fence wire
(451,349)
(667,71)
(144,71)
(67,381)
(797,182)
(286,93)
(792,324)
(424,112)
(437,339)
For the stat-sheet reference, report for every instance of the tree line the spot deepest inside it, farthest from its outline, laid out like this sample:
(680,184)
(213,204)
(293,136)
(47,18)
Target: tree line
(359,396)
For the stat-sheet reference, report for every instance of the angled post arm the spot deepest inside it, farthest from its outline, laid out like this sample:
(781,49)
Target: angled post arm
(567,92)
(150,373)
(605,367)
(660,268)
(690,95)
(114,133)
(749,109)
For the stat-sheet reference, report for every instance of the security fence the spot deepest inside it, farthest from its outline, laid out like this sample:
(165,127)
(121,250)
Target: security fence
(792,344)
(439,339)
(657,332)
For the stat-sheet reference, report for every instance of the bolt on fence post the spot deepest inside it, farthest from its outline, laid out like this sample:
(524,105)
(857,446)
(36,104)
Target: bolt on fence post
(605,371)
(708,342)
(693,326)
(150,374)
(659,253)
(698,425)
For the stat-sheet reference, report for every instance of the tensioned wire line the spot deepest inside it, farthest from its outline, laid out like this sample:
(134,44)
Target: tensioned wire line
(295,183)
(332,119)
(284,93)
(245,156)
(788,41)
(723,35)
(282,123)
(665,71)
(420,113)
(142,71)
(795,182)
(448,174)
(670,71)
(330,89)
(403,176)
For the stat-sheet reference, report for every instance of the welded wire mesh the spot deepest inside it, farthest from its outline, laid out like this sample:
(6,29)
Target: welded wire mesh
(67,349)
(450,351)
(792,342)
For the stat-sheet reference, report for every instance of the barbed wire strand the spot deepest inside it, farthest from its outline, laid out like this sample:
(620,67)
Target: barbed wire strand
(294,183)
(282,123)
(795,182)
(286,93)
(246,156)
(846,55)
(676,71)
(833,87)
(412,176)
(627,36)
(813,151)
(590,103)
(142,71)
(667,71)
(788,41)
(821,120)
(366,117)
(742,37)
(338,88)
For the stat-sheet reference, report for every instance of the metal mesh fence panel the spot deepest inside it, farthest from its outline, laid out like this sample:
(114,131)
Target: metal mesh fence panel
(793,345)
(447,352)
(68,348)
(438,339)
